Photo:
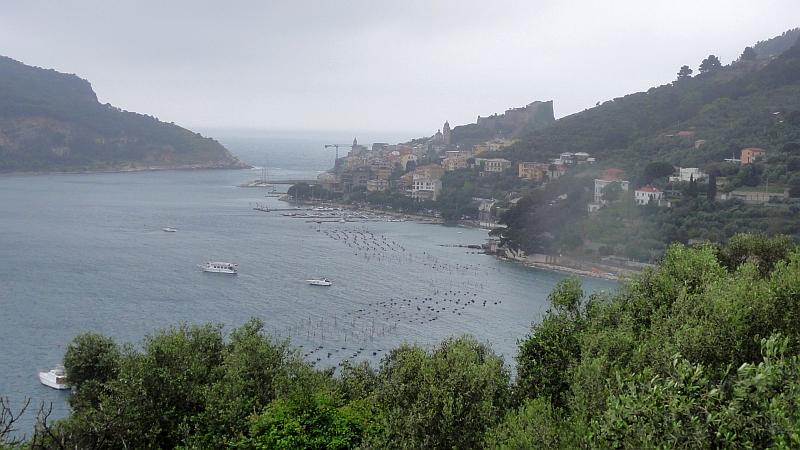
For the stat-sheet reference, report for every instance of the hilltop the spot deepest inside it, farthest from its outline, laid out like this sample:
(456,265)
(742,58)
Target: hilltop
(53,122)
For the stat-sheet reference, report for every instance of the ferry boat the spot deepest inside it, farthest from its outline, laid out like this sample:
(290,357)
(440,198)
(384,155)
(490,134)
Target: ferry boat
(322,282)
(220,267)
(55,378)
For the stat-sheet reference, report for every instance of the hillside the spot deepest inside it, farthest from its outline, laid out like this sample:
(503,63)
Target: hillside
(696,121)
(52,122)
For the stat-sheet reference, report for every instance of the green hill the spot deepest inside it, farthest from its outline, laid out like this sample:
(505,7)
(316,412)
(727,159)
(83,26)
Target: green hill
(692,122)
(52,122)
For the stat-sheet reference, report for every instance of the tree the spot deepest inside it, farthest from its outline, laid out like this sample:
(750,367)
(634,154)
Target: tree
(444,398)
(611,192)
(546,354)
(711,191)
(91,357)
(710,64)
(658,169)
(685,73)
(749,54)
(692,191)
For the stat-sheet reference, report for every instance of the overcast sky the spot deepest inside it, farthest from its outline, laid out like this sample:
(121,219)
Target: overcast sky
(400,67)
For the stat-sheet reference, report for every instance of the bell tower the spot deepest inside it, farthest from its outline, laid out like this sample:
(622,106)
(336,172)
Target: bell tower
(446,133)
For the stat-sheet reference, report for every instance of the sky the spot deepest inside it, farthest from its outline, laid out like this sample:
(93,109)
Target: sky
(400,68)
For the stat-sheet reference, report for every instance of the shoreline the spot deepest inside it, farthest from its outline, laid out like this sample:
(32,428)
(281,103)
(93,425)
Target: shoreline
(127,170)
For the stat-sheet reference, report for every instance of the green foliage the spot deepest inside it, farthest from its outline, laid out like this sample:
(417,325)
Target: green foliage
(611,192)
(536,424)
(91,357)
(655,170)
(319,420)
(684,73)
(710,64)
(546,354)
(749,54)
(441,398)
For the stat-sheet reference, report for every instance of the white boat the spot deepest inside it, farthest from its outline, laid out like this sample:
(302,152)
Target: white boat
(220,267)
(322,282)
(170,229)
(55,378)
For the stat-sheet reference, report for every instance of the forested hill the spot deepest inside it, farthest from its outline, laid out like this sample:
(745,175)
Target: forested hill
(52,122)
(629,131)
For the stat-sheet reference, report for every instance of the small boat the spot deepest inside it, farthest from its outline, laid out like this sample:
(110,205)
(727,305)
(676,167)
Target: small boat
(322,282)
(220,267)
(55,378)
(170,229)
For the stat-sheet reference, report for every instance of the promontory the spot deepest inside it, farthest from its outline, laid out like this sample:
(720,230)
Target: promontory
(53,122)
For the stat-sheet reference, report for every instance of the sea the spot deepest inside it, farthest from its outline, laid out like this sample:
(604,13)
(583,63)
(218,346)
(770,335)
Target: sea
(87,252)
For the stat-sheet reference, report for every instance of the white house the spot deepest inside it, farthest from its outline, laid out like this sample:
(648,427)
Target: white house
(687,173)
(646,195)
(494,164)
(425,188)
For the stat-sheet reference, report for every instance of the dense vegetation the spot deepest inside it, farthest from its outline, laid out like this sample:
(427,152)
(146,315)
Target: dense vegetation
(699,353)
(51,121)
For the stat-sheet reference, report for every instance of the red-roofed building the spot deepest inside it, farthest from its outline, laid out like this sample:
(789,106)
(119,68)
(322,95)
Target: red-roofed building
(613,174)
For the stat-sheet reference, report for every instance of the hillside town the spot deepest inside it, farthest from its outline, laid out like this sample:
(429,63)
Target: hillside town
(416,169)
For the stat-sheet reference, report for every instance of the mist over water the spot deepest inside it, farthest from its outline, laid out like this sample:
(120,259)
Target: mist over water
(88,253)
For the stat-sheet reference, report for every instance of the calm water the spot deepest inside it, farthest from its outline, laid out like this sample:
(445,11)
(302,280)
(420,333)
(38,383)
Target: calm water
(87,253)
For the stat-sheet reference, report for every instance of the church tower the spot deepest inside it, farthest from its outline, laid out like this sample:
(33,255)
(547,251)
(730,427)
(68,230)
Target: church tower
(446,133)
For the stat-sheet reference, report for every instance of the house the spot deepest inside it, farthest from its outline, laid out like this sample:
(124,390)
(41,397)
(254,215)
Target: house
(499,165)
(407,158)
(686,134)
(599,184)
(431,171)
(532,171)
(425,188)
(688,173)
(613,174)
(378,185)
(555,171)
(583,158)
(457,162)
(749,155)
(646,195)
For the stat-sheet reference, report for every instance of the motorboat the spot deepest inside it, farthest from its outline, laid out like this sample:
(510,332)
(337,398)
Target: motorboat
(170,229)
(322,282)
(55,378)
(220,267)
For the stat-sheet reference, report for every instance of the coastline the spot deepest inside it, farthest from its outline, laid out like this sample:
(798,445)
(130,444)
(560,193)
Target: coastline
(551,266)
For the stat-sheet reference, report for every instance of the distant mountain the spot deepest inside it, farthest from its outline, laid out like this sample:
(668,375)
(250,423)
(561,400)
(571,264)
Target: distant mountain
(52,122)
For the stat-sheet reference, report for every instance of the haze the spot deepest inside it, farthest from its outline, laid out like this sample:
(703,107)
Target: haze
(400,67)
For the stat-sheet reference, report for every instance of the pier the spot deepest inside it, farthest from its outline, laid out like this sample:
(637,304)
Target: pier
(269,183)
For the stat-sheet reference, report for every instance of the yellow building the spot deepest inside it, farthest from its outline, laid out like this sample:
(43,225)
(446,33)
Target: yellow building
(532,171)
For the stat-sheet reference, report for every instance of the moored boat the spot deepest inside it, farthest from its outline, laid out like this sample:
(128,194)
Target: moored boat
(220,267)
(55,378)
(322,282)
(170,229)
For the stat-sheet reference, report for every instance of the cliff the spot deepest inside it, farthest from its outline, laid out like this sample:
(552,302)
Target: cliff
(52,122)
